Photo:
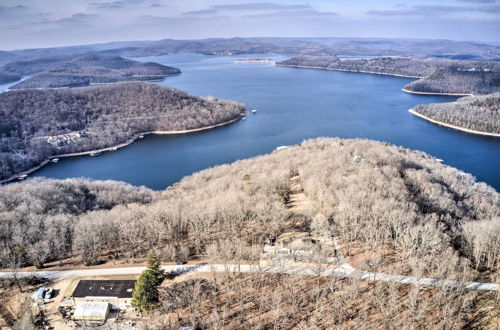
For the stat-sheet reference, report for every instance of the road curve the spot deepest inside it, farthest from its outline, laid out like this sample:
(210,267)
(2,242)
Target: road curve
(342,271)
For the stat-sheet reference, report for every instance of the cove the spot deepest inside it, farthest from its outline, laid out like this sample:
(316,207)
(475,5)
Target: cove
(293,105)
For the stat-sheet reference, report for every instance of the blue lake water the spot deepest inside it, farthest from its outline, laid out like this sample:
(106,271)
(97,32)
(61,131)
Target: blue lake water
(293,105)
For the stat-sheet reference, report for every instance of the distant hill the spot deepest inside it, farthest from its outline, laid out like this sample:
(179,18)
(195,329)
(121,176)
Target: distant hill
(38,123)
(310,46)
(83,70)
(477,113)
(437,75)
(477,80)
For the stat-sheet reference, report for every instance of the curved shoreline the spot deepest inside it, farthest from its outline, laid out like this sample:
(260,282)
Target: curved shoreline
(118,146)
(458,128)
(345,70)
(435,93)
(378,73)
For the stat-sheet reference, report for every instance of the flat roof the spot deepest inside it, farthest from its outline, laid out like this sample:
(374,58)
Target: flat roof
(104,288)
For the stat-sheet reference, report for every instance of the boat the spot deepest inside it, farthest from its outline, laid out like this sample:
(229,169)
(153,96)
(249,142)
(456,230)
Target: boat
(281,148)
(440,160)
(54,160)
(141,136)
(113,149)
(253,111)
(95,153)
(243,118)
(22,177)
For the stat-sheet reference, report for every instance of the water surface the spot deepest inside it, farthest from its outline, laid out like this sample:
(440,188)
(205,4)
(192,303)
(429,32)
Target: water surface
(293,105)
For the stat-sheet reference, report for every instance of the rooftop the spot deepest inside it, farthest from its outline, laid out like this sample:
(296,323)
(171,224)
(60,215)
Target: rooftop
(104,288)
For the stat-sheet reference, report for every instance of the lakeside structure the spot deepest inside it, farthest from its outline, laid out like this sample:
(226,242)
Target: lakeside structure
(24,174)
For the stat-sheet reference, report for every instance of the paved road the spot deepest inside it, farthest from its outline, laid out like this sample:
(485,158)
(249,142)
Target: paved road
(342,271)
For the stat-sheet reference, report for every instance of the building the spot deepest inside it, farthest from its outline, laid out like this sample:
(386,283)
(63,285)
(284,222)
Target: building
(117,293)
(91,311)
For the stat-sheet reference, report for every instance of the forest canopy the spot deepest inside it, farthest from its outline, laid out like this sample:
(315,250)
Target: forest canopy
(35,124)
(377,196)
(83,70)
(436,75)
(478,113)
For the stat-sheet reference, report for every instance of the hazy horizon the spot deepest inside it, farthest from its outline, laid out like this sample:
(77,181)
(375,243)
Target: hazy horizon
(56,23)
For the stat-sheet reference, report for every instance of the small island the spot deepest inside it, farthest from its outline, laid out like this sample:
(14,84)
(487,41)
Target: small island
(38,124)
(475,114)
(255,60)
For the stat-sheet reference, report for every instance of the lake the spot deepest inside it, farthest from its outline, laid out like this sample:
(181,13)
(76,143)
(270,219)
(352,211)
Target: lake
(293,105)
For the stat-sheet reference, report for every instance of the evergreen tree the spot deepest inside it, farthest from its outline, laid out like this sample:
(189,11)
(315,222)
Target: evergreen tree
(154,265)
(145,294)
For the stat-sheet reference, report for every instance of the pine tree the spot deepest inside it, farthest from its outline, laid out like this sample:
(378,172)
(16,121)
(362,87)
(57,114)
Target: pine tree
(145,294)
(154,265)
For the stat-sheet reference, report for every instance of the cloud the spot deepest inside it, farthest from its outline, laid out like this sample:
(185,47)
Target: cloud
(119,4)
(479,1)
(309,13)
(107,5)
(208,11)
(251,6)
(260,6)
(434,10)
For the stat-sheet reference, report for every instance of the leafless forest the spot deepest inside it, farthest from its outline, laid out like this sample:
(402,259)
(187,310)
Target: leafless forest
(386,199)
(81,70)
(109,115)
(393,209)
(437,76)
(480,113)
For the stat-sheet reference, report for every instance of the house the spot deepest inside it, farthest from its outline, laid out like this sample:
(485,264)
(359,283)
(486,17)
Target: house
(117,293)
(91,311)
(299,244)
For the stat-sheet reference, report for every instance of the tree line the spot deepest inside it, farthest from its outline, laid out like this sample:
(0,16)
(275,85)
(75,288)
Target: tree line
(108,114)
(437,75)
(479,113)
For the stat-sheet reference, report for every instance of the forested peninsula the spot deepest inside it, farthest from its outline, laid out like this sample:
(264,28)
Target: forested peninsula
(36,124)
(434,76)
(474,114)
(82,70)
(392,209)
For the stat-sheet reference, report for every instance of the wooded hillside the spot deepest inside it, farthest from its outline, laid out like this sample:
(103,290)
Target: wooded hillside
(392,209)
(35,124)
(83,70)
(479,113)
(375,195)
(437,76)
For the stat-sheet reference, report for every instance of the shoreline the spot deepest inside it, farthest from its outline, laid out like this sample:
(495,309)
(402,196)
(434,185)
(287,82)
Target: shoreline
(345,70)
(378,73)
(435,93)
(118,146)
(458,128)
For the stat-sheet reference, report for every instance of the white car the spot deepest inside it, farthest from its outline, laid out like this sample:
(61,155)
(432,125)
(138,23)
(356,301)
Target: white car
(127,324)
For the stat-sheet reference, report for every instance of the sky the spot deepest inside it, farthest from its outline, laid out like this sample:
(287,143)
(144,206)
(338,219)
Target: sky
(48,23)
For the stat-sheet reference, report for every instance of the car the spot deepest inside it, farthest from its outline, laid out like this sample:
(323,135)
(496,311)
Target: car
(127,324)
(180,262)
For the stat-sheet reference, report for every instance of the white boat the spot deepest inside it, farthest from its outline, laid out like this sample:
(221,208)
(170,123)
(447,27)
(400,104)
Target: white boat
(114,149)
(54,160)
(440,160)
(253,111)
(95,153)
(141,136)
(243,118)
(22,177)
(281,147)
